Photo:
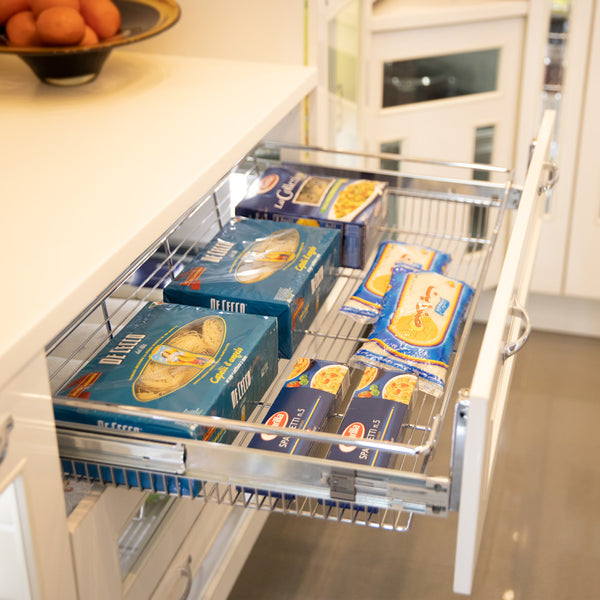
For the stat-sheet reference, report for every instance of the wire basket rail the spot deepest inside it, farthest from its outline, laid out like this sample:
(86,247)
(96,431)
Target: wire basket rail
(453,207)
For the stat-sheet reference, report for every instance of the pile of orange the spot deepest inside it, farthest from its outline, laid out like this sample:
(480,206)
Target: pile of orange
(59,22)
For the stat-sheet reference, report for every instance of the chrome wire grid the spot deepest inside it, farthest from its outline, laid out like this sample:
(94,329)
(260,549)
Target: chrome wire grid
(460,216)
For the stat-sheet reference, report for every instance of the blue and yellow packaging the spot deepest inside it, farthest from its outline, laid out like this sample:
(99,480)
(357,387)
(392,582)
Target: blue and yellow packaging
(263,267)
(421,315)
(353,206)
(303,403)
(365,304)
(179,359)
(377,410)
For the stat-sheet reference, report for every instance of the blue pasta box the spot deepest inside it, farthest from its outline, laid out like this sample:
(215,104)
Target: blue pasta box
(260,267)
(303,403)
(180,359)
(353,206)
(377,410)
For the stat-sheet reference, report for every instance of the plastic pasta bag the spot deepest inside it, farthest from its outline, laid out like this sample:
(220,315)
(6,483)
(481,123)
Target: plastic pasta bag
(365,304)
(416,331)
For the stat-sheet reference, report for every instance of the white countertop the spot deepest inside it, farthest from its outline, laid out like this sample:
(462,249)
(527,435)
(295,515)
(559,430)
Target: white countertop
(94,174)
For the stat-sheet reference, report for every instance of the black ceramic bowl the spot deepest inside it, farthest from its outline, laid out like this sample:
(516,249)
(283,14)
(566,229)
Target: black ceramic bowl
(74,65)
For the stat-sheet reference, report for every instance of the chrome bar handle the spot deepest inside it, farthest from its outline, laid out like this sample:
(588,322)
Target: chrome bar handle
(553,176)
(6,425)
(186,572)
(517,310)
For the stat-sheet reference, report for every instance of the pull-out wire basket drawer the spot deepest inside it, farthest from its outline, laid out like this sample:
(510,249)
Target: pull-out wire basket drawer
(455,208)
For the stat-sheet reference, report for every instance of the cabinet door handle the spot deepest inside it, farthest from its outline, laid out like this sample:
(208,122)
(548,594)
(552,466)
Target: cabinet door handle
(6,425)
(552,180)
(186,572)
(518,311)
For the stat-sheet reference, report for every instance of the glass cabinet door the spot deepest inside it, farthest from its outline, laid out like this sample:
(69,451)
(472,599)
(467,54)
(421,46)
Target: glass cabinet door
(438,77)
(438,88)
(343,64)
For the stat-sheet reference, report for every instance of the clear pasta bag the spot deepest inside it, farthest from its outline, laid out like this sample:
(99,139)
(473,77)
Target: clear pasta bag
(365,304)
(416,332)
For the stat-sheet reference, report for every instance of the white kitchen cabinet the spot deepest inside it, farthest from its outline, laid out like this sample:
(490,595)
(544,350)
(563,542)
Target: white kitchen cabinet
(584,238)
(113,164)
(97,213)
(36,555)
(565,297)
(432,87)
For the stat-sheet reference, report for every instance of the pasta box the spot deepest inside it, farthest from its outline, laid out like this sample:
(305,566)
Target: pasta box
(251,266)
(353,206)
(303,403)
(377,409)
(180,359)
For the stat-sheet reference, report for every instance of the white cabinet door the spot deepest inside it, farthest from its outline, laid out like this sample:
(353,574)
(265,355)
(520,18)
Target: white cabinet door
(491,380)
(432,89)
(569,218)
(581,269)
(448,92)
(33,522)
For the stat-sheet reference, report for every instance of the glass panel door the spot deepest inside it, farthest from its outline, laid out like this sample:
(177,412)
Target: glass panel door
(438,77)
(343,35)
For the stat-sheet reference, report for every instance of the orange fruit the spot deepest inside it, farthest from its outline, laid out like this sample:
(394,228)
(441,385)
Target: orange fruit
(37,6)
(8,8)
(21,30)
(60,26)
(89,38)
(102,16)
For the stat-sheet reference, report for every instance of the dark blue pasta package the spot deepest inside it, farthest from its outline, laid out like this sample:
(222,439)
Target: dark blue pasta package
(365,304)
(421,316)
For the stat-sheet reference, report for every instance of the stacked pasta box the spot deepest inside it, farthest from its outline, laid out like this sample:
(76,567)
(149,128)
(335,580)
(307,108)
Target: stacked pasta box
(180,359)
(311,392)
(378,408)
(312,389)
(352,206)
(262,267)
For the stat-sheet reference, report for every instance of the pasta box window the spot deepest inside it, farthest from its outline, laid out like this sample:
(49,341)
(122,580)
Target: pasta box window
(377,410)
(283,270)
(304,402)
(180,359)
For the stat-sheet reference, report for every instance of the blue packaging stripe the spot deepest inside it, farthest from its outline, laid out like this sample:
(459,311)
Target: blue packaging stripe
(143,480)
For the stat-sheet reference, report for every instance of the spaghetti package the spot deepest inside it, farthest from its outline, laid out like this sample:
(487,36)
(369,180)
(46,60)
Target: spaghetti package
(365,304)
(179,359)
(353,206)
(417,329)
(377,409)
(303,403)
(262,267)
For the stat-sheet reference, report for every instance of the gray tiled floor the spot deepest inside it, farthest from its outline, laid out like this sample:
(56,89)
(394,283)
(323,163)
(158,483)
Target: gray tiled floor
(542,534)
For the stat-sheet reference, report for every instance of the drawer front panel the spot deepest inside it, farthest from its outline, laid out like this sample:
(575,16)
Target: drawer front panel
(505,333)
